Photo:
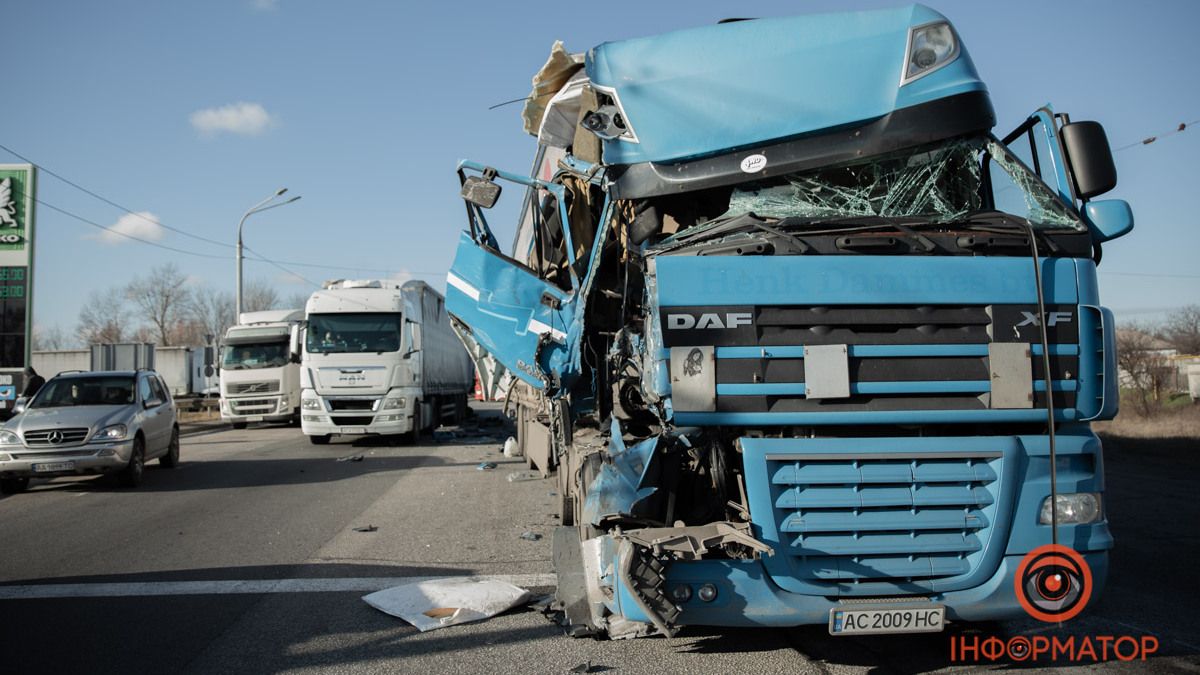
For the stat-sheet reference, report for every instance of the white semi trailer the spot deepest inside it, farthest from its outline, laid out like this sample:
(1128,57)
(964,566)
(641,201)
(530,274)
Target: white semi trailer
(380,358)
(260,368)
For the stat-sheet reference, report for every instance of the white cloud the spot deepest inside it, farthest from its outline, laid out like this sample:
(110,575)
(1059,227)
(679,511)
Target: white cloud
(247,119)
(143,225)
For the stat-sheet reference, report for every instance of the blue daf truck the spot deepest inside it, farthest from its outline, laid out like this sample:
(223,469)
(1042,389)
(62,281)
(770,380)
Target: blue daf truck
(804,339)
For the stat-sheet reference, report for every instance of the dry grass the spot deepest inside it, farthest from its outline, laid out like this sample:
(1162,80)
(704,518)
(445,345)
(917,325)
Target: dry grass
(1176,422)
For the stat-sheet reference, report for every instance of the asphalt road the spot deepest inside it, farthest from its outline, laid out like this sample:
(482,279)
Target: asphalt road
(246,558)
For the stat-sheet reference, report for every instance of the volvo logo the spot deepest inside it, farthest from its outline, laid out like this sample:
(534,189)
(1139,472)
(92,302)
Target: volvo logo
(55,436)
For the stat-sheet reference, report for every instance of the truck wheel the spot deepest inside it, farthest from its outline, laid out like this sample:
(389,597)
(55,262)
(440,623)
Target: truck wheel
(131,475)
(11,486)
(323,439)
(239,425)
(414,435)
(171,459)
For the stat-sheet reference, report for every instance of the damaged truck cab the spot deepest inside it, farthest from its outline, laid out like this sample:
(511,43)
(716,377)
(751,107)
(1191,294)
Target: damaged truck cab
(800,335)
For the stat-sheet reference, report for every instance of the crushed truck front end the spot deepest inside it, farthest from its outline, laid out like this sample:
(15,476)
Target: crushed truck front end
(805,355)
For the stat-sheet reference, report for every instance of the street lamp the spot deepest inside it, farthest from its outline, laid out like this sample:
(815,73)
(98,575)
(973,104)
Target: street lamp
(261,206)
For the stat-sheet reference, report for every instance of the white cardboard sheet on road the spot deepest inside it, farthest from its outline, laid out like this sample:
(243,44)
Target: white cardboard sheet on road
(446,602)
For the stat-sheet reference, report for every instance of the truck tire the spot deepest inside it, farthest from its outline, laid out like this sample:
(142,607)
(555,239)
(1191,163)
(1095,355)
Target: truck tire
(323,439)
(414,435)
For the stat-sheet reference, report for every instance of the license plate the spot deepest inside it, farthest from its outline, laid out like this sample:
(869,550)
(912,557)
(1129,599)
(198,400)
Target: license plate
(254,418)
(354,430)
(862,620)
(49,467)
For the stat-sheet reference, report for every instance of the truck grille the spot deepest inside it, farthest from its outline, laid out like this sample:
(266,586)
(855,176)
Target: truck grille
(264,387)
(353,420)
(855,523)
(901,358)
(42,437)
(338,404)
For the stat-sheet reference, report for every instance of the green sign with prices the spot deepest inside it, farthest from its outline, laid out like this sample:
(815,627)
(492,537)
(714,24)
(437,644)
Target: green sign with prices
(17,199)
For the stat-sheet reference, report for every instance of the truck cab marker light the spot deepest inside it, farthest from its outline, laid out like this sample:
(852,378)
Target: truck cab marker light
(707,592)
(930,47)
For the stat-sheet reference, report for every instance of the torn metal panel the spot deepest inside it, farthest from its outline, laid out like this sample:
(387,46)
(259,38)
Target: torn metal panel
(692,543)
(619,485)
(547,82)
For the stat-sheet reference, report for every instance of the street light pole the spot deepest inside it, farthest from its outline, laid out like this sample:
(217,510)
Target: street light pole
(261,206)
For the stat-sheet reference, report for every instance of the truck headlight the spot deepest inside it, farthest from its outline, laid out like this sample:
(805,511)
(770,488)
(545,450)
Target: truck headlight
(929,47)
(1076,508)
(114,433)
(393,403)
(283,403)
(310,403)
(9,438)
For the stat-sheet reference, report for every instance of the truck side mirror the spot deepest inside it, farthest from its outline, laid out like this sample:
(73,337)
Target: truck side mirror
(1089,158)
(480,191)
(414,338)
(1108,218)
(294,343)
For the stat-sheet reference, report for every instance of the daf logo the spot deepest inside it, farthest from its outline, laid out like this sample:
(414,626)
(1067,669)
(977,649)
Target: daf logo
(709,321)
(1052,319)
(55,436)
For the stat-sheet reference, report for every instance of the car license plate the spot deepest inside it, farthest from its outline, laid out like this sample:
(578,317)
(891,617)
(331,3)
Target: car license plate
(254,418)
(354,430)
(50,467)
(861,620)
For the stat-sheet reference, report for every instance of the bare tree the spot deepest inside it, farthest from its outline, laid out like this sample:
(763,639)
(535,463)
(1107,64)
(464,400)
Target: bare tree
(162,298)
(1182,329)
(212,309)
(50,338)
(259,296)
(1145,368)
(103,317)
(296,300)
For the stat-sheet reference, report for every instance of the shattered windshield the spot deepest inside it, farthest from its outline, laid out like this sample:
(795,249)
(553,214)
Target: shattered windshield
(939,183)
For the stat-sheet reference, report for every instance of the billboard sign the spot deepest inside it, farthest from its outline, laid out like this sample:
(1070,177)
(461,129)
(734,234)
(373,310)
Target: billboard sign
(17,198)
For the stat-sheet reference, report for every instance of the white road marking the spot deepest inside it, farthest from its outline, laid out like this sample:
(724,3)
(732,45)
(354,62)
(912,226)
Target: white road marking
(243,586)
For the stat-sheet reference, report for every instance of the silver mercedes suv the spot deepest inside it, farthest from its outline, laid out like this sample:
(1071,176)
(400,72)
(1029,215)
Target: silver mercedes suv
(88,423)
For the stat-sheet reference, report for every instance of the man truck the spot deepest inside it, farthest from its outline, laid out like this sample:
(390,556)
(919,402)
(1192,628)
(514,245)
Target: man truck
(260,372)
(806,342)
(380,358)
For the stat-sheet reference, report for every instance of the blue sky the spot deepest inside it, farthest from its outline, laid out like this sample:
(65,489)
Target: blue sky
(364,108)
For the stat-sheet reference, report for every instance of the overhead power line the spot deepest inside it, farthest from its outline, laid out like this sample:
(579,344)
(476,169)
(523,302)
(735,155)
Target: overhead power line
(1150,139)
(258,257)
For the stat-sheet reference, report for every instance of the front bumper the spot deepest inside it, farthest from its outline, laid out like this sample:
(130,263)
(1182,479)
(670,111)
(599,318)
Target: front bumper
(746,596)
(317,423)
(83,459)
(258,409)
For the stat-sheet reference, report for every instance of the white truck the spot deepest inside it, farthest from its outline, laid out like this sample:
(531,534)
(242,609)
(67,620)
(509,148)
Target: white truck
(260,368)
(380,358)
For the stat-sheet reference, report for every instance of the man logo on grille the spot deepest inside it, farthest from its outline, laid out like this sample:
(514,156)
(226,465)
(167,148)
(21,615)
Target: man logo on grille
(55,436)
(1053,583)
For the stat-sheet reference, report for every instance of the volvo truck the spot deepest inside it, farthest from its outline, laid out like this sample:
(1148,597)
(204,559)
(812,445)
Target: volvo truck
(260,368)
(805,339)
(380,359)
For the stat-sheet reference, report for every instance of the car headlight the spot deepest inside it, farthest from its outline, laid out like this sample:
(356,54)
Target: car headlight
(929,47)
(310,403)
(9,438)
(115,432)
(393,403)
(1073,509)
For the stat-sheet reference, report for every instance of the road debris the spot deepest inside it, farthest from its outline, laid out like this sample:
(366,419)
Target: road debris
(510,448)
(429,605)
(585,667)
(519,476)
(486,466)
(366,528)
(530,536)
(350,458)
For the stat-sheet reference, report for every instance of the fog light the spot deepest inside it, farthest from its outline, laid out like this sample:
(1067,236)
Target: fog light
(5,457)
(681,594)
(707,593)
(107,452)
(311,418)
(389,418)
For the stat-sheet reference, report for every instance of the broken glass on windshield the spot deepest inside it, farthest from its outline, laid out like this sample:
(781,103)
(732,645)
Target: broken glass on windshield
(939,183)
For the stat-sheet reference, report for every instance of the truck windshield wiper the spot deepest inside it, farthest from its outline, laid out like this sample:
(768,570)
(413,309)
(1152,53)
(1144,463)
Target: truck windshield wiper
(729,225)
